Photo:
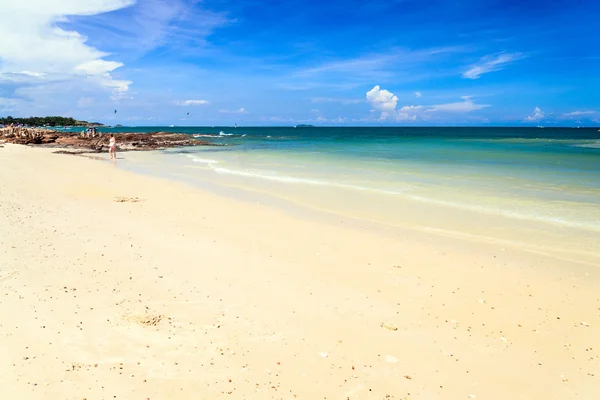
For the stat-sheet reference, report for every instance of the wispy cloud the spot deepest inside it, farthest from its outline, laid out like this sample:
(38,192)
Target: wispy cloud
(276,118)
(537,115)
(377,65)
(185,103)
(491,63)
(335,100)
(150,24)
(240,111)
(467,105)
(578,113)
(418,94)
(365,64)
(337,120)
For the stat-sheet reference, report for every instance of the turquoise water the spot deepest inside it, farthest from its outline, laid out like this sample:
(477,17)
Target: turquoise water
(549,175)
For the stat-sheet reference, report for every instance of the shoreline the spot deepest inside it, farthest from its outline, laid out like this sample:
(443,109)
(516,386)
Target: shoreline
(158,289)
(396,213)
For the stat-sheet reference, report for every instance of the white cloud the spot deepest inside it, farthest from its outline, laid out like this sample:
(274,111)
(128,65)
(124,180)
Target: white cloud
(491,63)
(576,113)
(467,105)
(408,113)
(418,94)
(240,111)
(185,103)
(382,100)
(537,115)
(97,67)
(29,73)
(35,50)
(386,102)
(384,116)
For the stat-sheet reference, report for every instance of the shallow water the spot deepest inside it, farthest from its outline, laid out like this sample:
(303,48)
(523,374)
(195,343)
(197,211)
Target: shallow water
(547,176)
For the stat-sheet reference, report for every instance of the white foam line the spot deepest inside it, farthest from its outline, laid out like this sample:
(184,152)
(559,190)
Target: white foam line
(202,160)
(489,210)
(595,225)
(289,179)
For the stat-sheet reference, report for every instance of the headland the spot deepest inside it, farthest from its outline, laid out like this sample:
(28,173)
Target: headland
(91,141)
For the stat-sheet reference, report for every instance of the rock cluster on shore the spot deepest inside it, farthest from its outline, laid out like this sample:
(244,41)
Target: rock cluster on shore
(23,135)
(97,142)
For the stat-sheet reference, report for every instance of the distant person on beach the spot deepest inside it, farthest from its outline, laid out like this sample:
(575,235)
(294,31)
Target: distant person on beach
(112,147)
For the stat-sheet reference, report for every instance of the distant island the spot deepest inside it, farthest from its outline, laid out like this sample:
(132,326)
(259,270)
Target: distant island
(304,126)
(46,121)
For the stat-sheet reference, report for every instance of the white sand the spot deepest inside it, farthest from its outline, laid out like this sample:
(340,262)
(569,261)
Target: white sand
(188,295)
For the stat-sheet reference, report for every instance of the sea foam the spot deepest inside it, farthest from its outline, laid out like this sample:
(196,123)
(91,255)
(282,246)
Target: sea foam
(308,181)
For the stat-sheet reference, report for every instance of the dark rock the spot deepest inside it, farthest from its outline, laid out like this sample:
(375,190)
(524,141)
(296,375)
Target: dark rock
(125,141)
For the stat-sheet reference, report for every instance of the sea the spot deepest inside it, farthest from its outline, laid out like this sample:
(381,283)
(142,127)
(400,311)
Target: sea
(486,180)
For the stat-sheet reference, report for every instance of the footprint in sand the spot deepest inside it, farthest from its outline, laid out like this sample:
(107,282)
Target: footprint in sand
(7,275)
(144,320)
(127,199)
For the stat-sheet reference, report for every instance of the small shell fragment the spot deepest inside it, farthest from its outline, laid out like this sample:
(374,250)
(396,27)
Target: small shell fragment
(389,326)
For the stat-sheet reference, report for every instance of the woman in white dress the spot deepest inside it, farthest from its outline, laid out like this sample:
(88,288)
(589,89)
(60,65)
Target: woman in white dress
(112,147)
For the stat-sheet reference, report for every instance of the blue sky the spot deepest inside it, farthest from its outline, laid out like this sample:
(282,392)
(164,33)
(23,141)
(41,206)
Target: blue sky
(250,62)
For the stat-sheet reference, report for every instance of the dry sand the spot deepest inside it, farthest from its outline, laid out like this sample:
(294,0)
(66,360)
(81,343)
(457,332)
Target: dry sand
(182,294)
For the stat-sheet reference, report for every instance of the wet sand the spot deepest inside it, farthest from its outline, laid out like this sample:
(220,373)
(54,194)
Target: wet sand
(118,285)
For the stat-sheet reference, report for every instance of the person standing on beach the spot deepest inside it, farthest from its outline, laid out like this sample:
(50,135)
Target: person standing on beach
(112,147)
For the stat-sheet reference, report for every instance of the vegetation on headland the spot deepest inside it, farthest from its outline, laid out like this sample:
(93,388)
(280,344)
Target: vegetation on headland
(46,121)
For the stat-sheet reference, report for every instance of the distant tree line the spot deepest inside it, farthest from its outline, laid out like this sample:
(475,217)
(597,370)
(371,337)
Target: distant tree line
(45,121)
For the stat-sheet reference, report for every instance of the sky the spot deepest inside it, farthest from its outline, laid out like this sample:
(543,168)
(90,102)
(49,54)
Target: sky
(281,62)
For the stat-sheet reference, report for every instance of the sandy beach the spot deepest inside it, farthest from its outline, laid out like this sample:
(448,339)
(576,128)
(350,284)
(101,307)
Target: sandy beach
(116,285)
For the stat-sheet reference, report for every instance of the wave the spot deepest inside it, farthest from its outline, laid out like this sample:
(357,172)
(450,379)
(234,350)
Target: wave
(203,160)
(291,179)
(225,134)
(198,135)
(590,145)
(521,140)
(595,225)
(508,213)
